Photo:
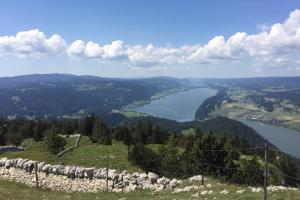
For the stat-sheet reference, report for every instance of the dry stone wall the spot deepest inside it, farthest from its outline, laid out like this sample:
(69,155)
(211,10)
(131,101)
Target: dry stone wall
(4,149)
(79,179)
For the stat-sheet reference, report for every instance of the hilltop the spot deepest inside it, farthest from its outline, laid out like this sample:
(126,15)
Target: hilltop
(69,96)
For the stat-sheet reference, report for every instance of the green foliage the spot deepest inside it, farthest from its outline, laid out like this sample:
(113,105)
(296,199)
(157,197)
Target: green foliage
(14,138)
(180,155)
(231,128)
(287,167)
(209,104)
(86,125)
(3,136)
(170,160)
(54,142)
(27,129)
(121,133)
(246,174)
(38,130)
(68,128)
(144,157)
(100,133)
(143,132)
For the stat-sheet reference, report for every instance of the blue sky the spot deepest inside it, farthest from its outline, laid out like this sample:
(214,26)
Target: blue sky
(118,38)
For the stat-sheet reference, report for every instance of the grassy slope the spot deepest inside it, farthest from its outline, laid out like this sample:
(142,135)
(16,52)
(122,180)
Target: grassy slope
(89,154)
(10,190)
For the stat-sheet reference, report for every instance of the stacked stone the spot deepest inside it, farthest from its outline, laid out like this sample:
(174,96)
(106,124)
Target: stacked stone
(4,149)
(80,179)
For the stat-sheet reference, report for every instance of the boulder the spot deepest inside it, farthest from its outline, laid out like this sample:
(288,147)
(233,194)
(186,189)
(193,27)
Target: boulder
(46,168)
(173,183)
(197,178)
(8,164)
(103,173)
(20,163)
(40,166)
(28,165)
(79,172)
(143,176)
(131,188)
(2,162)
(71,172)
(97,173)
(158,188)
(135,174)
(147,186)
(60,170)
(88,173)
(152,177)
(163,181)
(112,174)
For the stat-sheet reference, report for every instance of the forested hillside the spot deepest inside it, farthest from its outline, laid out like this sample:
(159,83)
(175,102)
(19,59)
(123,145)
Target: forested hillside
(218,148)
(68,96)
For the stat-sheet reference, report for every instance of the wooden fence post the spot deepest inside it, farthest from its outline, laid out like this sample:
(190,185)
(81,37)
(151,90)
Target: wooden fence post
(266,173)
(106,173)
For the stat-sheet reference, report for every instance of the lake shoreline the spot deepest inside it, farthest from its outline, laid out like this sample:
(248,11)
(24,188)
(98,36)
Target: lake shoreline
(180,106)
(285,139)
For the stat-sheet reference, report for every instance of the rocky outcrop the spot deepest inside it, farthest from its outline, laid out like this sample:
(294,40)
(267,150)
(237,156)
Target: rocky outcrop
(80,179)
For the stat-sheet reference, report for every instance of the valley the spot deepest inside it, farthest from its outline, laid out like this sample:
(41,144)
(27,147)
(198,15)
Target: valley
(154,125)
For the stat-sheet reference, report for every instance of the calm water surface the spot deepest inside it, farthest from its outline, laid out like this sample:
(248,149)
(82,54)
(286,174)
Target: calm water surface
(285,139)
(180,106)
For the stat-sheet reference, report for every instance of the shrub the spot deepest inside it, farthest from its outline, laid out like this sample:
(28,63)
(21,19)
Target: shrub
(54,142)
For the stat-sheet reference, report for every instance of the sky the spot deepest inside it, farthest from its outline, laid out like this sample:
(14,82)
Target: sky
(142,38)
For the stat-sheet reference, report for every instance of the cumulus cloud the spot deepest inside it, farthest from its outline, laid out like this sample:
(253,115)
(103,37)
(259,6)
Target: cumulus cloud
(115,50)
(32,43)
(152,55)
(277,45)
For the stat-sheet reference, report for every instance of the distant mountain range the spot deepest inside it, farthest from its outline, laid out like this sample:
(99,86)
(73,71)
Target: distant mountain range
(64,95)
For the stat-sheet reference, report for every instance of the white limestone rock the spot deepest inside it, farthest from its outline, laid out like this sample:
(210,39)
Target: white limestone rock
(88,173)
(152,177)
(173,183)
(163,181)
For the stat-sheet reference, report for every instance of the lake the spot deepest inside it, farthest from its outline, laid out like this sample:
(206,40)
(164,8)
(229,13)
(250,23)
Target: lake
(180,106)
(287,140)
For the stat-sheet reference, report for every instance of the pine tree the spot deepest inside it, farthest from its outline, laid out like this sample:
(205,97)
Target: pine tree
(157,136)
(67,128)
(54,142)
(139,135)
(87,125)
(170,164)
(38,131)
(27,129)
(3,138)
(14,136)
(96,132)
(127,139)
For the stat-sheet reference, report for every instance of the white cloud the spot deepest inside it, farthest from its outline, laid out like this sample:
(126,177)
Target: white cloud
(115,50)
(32,43)
(150,55)
(277,45)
